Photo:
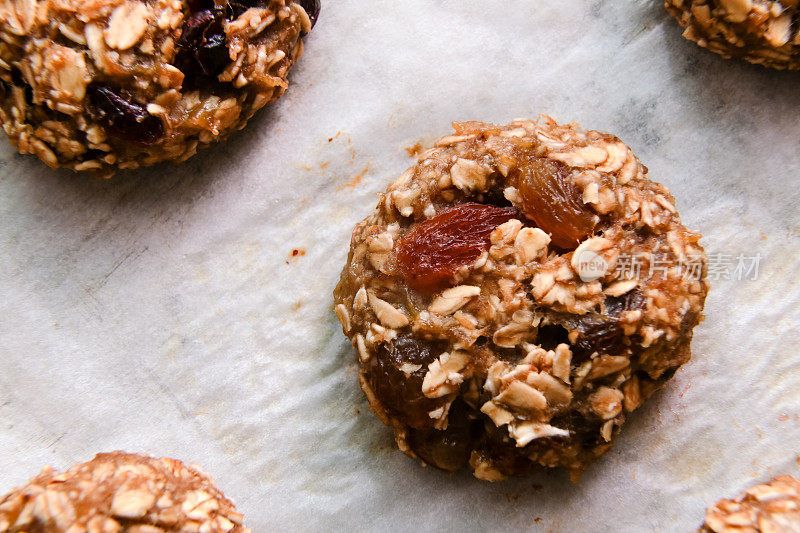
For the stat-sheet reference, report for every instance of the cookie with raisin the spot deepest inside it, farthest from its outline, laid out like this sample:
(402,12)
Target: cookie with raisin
(118,84)
(117,492)
(516,293)
(764,32)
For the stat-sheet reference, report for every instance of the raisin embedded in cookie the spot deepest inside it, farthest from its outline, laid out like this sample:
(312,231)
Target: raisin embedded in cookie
(770,508)
(117,492)
(764,32)
(116,84)
(516,293)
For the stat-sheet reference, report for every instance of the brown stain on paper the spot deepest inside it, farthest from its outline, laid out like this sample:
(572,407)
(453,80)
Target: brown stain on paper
(415,150)
(355,181)
(295,254)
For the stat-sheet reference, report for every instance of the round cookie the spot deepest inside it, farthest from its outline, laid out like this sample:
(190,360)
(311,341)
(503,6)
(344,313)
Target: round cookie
(103,85)
(120,492)
(770,508)
(516,293)
(764,32)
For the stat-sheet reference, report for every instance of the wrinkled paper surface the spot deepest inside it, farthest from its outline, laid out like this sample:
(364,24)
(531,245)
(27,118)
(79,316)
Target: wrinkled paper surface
(164,311)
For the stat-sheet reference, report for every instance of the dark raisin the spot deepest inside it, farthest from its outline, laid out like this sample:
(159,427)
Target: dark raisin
(583,430)
(668,374)
(603,338)
(495,198)
(237,7)
(628,302)
(196,6)
(202,49)
(312,7)
(93,154)
(447,449)
(123,118)
(401,395)
(18,80)
(550,336)
(495,447)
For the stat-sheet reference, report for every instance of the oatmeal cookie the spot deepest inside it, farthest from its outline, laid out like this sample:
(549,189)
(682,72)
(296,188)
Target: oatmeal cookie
(101,85)
(516,293)
(764,32)
(120,492)
(770,508)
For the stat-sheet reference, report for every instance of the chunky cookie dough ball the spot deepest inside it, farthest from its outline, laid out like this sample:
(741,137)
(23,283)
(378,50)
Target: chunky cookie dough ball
(516,293)
(770,508)
(120,493)
(764,32)
(103,85)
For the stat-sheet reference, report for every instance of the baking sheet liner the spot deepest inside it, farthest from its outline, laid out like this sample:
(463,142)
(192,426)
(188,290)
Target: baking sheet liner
(187,311)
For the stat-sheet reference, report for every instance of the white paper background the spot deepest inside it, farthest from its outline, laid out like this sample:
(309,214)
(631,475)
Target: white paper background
(160,311)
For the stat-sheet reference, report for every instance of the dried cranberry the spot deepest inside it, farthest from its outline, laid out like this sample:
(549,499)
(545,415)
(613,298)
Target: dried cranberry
(430,254)
(123,118)
(401,395)
(553,201)
(202,49)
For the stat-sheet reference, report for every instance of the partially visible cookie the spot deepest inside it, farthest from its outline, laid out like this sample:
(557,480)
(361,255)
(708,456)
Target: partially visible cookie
(770,508)
(104,85)
(120,492)
(764,32)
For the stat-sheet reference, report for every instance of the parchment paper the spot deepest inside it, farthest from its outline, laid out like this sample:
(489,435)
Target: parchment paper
(163,311)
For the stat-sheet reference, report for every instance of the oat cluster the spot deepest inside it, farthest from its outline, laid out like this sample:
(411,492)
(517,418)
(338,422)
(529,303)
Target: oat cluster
(764,32)
(120,493)
(770,508)
(101,85)
(519,360)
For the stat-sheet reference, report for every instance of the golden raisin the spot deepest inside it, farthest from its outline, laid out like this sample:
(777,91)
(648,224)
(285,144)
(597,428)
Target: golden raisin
(552,200)
(430,254)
